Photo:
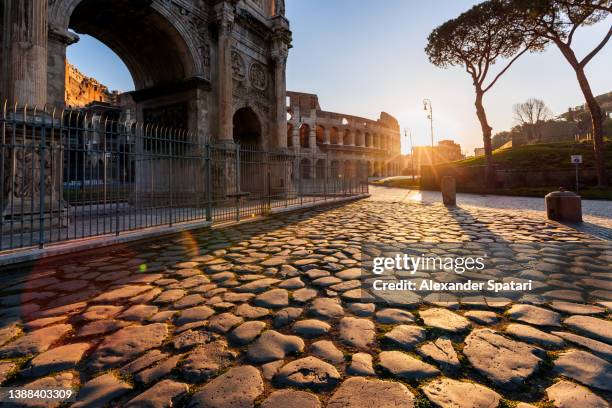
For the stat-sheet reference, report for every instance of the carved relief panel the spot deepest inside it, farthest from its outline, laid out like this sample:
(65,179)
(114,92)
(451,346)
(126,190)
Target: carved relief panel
(238,66)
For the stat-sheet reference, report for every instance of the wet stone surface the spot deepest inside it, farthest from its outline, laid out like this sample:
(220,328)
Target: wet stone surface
(271,314)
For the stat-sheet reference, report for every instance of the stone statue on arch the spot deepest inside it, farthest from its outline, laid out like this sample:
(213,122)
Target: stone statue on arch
(279,7)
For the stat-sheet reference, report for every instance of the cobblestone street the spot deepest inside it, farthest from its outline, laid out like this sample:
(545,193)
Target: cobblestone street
(271,314)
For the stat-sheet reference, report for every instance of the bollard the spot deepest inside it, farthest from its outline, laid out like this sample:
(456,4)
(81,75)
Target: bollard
(449,190)
(563,206)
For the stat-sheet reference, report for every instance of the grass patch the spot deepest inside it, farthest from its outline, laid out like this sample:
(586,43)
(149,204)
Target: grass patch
(546,156)
(421,401)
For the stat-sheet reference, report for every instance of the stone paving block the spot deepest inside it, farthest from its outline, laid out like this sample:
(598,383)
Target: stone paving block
(238,388)
(359,392)
(56,359)
(165,393)
(126,344)
(100,391)
(505,362)
(34,342)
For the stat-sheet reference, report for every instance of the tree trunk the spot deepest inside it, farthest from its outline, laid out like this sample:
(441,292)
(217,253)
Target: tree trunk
(595,111)
(597,121)
(486,138)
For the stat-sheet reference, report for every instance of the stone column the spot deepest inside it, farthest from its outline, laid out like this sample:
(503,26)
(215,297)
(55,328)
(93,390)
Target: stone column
(296,137)
(351,137)
(58,41)
(280,51)
(326,136)
(24,52)
(225,20)
(312,137)
(280,102)
(35,166)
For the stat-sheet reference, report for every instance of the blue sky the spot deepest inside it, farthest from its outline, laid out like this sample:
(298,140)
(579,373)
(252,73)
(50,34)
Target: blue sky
(364,56)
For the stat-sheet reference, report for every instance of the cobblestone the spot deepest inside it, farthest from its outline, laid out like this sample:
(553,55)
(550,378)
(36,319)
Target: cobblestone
(282,296)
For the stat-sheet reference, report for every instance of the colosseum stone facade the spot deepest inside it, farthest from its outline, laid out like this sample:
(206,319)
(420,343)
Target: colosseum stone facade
(347,143)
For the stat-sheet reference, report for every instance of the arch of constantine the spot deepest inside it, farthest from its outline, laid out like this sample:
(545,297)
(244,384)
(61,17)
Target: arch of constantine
(206,125)
(195,64)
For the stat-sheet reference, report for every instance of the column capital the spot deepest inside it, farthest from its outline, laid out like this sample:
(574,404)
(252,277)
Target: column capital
(280,52)
(225,17)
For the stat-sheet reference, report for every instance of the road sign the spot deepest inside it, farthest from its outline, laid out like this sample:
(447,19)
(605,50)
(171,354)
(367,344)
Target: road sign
(576,159)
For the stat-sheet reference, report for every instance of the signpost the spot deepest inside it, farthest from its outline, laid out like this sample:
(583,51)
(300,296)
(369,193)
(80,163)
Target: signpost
(576,160)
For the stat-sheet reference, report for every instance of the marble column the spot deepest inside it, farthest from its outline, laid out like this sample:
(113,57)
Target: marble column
(225,19)
(24,52)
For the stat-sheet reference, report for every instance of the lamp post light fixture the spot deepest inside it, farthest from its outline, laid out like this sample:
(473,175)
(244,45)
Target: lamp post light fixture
(429,109)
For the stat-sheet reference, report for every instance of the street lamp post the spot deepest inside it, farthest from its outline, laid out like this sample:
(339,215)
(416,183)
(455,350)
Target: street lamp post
(429,109)
(408,135)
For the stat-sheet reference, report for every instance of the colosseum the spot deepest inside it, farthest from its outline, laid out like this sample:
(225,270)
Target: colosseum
(346,143)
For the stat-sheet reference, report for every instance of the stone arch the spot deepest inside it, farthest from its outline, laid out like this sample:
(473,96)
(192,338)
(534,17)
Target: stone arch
(304,135)
(320,130)
(247,127)
(305,168)
(334,168)
(320,169)
(368,139)
(289,135)
(376,169)
(333,136)
(154,43)
(348,169)
(346,137)
(362,169)
(358,138)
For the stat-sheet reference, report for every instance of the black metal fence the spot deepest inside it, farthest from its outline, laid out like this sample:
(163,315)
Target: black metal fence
(68,175)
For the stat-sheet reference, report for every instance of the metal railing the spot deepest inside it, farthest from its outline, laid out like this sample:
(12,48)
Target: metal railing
(69,175)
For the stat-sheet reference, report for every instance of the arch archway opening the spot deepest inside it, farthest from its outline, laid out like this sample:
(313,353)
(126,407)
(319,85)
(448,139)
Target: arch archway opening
(289,135)
(247,127)
(146,41)
(158,58)
(321,169)
(320,135)
(346,139)
(333,136)
(305,136)
(305,169)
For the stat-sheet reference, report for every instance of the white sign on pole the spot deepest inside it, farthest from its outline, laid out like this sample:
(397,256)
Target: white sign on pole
(577,159)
